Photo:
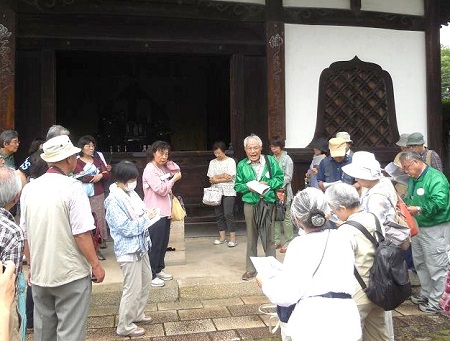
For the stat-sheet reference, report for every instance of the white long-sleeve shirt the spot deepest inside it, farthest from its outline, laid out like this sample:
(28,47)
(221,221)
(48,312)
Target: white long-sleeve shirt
(317,318)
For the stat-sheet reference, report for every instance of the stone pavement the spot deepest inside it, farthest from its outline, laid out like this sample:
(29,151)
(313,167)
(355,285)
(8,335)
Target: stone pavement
(207,300)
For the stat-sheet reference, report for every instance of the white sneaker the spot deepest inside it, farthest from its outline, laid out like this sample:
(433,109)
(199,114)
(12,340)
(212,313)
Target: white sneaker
(157,282)
(164,276)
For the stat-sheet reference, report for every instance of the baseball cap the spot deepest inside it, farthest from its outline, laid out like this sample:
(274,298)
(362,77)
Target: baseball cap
(337,147)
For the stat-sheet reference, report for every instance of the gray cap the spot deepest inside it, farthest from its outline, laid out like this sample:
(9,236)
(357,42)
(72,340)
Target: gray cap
(402,140)
(415,139)
(344,135)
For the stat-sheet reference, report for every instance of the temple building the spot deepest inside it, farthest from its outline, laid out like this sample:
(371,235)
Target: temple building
(192,72)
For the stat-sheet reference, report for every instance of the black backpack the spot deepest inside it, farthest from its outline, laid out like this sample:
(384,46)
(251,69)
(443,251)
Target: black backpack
(389,284)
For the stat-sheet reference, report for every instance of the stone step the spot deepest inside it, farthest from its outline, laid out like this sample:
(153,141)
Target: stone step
(176,290)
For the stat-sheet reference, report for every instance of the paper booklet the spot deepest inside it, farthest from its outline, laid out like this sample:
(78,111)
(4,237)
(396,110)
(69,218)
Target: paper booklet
(258,187)
(328,184)
(396,173)
(267,266)
(156,217)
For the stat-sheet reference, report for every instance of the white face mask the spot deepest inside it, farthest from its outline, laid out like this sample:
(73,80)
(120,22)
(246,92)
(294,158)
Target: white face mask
(130,186)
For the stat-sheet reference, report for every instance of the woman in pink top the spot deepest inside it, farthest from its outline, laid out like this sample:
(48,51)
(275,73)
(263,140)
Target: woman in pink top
(158,179)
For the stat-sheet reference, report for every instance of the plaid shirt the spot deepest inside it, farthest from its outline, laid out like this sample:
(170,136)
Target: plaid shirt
(435,161)
(130,234)
(12,240)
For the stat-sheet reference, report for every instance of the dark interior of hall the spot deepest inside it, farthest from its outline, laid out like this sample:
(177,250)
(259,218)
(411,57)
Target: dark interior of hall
(128,100)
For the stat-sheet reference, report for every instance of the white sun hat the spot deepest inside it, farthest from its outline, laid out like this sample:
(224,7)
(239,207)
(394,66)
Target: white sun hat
(58,148)
(364,166)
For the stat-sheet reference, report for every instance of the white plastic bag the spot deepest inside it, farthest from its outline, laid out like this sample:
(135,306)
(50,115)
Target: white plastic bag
(212,196)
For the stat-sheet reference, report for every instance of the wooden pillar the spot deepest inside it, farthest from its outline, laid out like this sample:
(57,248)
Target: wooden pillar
(48,90)
(433,76)
(275,41)
(237,104)
(7,65)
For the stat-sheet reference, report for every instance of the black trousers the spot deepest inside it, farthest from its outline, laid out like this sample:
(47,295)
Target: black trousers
(159,234)
(29,307)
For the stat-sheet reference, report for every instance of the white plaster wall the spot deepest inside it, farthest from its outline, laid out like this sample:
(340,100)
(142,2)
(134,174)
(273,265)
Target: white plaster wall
(339,4)
(412,7)
(311,49)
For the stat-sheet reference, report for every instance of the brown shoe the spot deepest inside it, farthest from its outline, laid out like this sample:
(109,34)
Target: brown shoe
(248,276)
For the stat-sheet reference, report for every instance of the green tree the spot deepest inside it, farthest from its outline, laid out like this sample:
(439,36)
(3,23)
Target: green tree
(445,71)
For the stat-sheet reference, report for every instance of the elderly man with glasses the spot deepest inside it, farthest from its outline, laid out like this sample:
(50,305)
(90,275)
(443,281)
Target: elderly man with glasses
(9,143)
(416,143)
(427,199)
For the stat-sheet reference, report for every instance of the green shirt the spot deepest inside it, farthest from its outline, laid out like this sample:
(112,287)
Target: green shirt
(9,159)
(246,173)
(430,191)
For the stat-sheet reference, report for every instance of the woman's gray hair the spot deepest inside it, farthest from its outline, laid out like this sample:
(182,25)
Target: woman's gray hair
(310,200)
(252,137)
(342,195)
(10,185)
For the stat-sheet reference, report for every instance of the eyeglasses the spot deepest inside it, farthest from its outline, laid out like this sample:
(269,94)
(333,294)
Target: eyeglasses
(162,154)
(406,167)
(413,146)
(15,141)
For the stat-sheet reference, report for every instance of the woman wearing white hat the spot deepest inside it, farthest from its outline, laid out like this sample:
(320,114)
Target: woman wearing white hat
(380,198)
(379,195)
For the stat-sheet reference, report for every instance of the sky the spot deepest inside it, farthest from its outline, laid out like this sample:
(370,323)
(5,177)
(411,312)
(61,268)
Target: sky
(445,35)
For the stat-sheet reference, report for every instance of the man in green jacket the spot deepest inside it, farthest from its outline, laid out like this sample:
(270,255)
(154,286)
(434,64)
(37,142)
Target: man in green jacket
(427,198)
(262,170)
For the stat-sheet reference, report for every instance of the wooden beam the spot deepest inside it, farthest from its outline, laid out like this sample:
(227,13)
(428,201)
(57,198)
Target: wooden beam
(237,104)
(7,66)
(275,42)
(189,9)
(355,5)
(345,17)
(433,76)
(48,90)
(274,10)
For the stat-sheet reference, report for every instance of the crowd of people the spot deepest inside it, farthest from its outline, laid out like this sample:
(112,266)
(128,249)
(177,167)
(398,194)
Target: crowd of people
(84,194)
(71,202)
(342,188)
